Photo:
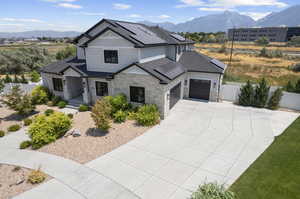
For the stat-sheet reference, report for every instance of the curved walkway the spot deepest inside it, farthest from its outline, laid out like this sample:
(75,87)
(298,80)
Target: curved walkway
(71,180)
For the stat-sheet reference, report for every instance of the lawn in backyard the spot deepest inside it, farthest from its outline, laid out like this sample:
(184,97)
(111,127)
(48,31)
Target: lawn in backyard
(276,173)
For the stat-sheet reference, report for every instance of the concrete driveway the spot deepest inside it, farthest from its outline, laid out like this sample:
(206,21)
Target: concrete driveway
(198,142)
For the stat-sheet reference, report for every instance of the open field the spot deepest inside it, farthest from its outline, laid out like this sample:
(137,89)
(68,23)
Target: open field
(276,173)
(249,66)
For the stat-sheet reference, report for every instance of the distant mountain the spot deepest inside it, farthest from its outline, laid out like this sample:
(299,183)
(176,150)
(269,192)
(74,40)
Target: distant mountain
(35,34)
(287,17)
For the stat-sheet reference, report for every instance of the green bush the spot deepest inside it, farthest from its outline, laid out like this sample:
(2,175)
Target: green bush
(49,112)
(290,87)
(297,86)
(27,121)
(55,100)
(274,101)
(147,115)
(261,94)
(35,76)
(40,95)
(101,114)
(131,115)
(120,116)
(118,102)
(46,129)
(212,191)
(7,79)
(262,41)
(83,108)
(62,104)
(50,103)
(2,133)
(70,115)
(25,144)
(246,95)
(23,79)
(14,128)
(36,177)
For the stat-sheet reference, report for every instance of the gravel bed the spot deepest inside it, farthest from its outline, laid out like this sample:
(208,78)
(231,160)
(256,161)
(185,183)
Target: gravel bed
(10,178)
(92,143)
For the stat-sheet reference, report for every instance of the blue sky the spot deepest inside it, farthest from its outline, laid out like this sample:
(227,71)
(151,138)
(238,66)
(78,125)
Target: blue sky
(79,15)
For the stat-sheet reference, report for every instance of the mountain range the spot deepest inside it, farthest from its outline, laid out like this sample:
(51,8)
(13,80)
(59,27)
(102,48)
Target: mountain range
(210,23)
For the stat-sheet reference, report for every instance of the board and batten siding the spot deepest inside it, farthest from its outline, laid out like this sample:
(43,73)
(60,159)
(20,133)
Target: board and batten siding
(152,53)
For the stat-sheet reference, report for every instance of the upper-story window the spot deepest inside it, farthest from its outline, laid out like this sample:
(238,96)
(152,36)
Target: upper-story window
(111,56)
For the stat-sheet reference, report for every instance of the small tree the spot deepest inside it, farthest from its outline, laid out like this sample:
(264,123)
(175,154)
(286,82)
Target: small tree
(263,52)
(262,41)
(246,95)
(69,51)
(1,85)
(261,94)
(16,79)
(297,86)
(212,191)
(23,79)
(7,79)
(290,87)
(25,106)
(101,114)
(35,76)
(274,101)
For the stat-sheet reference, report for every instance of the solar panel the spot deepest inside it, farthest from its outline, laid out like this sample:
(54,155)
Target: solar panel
(218,63)
(178,37)
(141,33)
(170,70)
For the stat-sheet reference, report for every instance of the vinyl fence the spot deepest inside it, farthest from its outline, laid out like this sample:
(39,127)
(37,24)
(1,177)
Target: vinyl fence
(230,92)
(26,88)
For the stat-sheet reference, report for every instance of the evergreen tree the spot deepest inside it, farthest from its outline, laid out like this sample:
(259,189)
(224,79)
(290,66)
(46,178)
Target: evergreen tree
(246,95)
(7,79)
(297,86)
(274,101)
(290,87)
(261,94)
(34,76)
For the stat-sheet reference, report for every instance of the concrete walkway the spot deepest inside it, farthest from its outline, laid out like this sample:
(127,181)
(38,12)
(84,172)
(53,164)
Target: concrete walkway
(71,180)
(199,142)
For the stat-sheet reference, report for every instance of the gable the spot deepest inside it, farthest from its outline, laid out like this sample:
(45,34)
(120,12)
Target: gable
(72,73)
(110,38)
(135,70)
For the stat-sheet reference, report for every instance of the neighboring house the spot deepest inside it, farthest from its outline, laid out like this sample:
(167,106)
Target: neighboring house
(148,64)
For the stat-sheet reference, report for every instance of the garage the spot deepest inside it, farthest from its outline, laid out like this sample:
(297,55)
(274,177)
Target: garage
(199,89)
(175,95)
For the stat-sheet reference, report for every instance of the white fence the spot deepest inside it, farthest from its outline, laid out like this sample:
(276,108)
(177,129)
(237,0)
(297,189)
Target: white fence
(26,88)
(230,92)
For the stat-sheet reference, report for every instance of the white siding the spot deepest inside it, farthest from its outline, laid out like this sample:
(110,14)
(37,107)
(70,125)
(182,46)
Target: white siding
(80,53)
(171,52)
(127,54)
(152,53)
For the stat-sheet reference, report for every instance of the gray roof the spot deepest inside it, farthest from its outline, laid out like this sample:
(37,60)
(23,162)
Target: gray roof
(139,34)
(197,62)
(76,64)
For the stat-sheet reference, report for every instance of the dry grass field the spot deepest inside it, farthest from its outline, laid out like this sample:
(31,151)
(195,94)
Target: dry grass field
(250,66)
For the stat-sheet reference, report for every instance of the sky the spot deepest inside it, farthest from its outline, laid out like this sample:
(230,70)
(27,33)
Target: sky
(79,15)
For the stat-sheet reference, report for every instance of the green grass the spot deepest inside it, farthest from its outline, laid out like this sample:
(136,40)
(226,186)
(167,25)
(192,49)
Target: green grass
(276,173)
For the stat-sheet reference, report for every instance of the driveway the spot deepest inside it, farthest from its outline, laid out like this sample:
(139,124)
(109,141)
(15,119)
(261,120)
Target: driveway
(198,142)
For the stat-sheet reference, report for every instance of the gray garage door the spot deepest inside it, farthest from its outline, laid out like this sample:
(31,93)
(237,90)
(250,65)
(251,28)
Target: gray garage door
(175,95)
(199,89)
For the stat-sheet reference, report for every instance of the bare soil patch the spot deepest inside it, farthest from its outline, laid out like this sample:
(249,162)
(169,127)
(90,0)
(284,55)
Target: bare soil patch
(92,143)
(13,181)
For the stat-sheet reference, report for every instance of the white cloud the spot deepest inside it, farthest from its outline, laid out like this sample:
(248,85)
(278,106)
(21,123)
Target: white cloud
(189,3)
(69,5)
(12,24)
(121,6)
(57,1)
(135,16)
(213,9)
(21,20)
(256,15)
(235,3)
(164,16)
(91,13)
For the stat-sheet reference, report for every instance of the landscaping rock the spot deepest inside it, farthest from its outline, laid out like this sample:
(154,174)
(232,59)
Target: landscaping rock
(70,132)
(76,133)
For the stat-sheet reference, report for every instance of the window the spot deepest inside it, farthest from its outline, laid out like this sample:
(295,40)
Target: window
(111,56)
(57,84)
(101,88)
(137,94)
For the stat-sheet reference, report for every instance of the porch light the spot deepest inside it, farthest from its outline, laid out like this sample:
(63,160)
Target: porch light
(215,84)
(168,96)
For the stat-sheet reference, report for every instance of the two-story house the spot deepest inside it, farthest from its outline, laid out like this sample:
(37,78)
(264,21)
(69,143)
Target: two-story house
(148,64)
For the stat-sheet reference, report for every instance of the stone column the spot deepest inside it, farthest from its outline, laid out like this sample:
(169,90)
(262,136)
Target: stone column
(86,94)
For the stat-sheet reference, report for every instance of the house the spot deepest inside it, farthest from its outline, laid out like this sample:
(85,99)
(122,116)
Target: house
(148,64)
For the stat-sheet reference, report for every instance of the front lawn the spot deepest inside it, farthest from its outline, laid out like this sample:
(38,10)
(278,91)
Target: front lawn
(276,173)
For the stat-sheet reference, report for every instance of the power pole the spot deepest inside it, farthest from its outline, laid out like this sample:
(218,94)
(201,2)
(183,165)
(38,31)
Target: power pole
(231,51)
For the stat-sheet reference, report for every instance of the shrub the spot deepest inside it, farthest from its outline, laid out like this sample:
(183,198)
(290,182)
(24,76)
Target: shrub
(70,115)
(36,177)
(262,41)
(49,112)
(212,191)
(261,94)
(7,79)
(296,67)
(294,41)
(50,103)
(62,104)
(83,108)
(120,116)
(297,86)
(246,95)
(55,100)
(16,79)
(14,128)
(147,115)
(25,144)
(2,133)
(40,95)
(101,114)
(118,102)
(35,76)
(290,87)
(27,121)
(274,101)
(46,129)
(131,115)
(23,79)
